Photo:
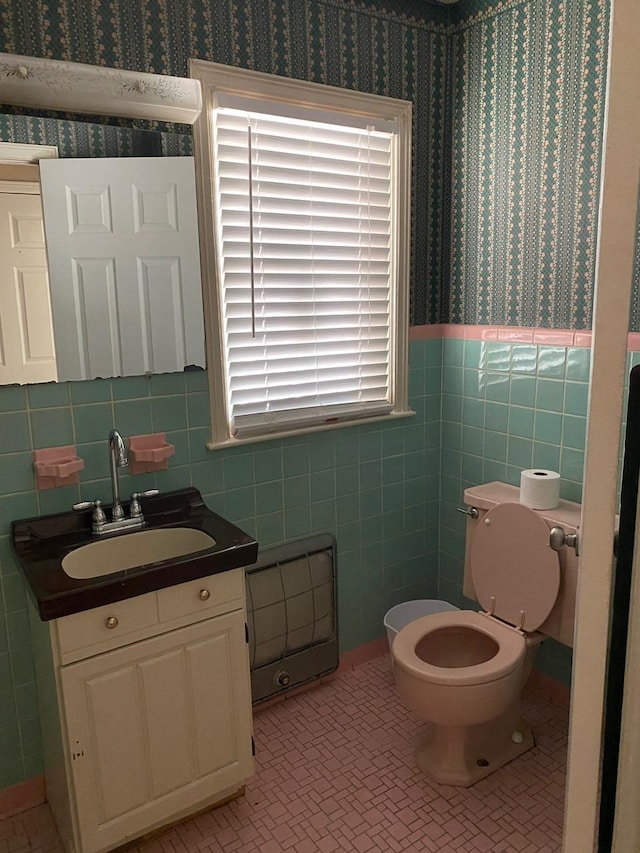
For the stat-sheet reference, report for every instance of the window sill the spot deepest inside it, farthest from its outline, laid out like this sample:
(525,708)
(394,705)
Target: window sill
(292,433)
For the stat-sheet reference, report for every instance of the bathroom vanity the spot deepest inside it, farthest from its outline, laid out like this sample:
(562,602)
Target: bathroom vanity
(143,673)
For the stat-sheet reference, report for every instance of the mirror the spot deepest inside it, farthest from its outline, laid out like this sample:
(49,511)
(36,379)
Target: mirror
(122,293)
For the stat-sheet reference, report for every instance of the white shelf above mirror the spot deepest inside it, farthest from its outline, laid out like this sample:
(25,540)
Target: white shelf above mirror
(30,81)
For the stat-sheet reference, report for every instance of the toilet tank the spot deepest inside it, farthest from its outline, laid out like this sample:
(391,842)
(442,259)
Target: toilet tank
(560,622)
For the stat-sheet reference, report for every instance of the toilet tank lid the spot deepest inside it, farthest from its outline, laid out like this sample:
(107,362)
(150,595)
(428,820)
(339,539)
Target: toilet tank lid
(515,573)
(488,495)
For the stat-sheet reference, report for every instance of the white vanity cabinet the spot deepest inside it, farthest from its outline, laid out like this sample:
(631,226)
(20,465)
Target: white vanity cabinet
(154,710)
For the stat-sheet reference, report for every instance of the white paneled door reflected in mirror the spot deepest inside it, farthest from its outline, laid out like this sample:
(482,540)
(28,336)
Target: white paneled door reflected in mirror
(123,294)
(26,332)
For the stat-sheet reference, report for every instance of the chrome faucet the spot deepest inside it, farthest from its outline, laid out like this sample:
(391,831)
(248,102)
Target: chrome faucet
(119,522)
(117,459)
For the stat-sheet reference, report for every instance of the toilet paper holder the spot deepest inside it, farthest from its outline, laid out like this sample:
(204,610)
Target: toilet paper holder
(558,539)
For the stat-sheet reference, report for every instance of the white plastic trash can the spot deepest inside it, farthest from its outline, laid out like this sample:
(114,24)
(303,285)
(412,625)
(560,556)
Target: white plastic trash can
(400,615)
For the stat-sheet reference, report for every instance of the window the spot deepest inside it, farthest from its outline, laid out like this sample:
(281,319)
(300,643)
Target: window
(304,209)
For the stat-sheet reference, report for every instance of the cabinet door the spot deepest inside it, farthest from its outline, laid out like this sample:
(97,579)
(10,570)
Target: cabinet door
(157,727)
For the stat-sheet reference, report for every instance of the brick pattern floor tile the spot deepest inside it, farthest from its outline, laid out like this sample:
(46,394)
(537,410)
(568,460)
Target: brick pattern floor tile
(335,772)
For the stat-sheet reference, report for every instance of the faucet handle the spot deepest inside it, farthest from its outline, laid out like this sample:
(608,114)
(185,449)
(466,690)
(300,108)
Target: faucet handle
(83,505)
(98,518)
(135,509)
(149,493)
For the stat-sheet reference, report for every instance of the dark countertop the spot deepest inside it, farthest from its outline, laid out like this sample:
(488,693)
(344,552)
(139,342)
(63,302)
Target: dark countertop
(41,543)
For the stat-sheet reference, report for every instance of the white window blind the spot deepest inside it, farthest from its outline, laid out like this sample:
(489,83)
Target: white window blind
(304,223)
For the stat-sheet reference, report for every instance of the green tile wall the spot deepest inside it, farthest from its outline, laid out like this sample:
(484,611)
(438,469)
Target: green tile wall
(376,488)
(484,411)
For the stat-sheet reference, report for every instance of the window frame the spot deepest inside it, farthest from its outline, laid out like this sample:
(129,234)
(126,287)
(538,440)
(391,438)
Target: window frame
(215,79)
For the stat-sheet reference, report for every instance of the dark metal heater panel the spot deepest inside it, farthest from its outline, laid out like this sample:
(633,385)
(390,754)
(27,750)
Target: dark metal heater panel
(291,615)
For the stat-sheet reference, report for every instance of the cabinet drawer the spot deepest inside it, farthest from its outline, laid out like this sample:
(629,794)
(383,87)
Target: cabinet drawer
(111,624)
(208,595)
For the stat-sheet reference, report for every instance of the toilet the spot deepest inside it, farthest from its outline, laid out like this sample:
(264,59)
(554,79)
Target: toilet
(463,671)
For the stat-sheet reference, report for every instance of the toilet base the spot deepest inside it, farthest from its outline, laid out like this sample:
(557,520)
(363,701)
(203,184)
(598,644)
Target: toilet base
(462,755)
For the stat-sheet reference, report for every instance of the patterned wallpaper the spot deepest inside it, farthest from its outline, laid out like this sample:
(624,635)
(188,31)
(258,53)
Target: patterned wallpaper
(527,113)
(397,48)
(508,106)
(88,139)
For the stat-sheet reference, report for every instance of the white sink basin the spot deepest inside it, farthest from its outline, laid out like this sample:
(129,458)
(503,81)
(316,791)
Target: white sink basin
(130,550)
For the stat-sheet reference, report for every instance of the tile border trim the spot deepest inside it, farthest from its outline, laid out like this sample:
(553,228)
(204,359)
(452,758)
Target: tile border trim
(554,691)
(513,334)
(19,798)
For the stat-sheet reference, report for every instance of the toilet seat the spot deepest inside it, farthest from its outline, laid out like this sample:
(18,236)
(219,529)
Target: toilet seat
(509,656)
(516,574)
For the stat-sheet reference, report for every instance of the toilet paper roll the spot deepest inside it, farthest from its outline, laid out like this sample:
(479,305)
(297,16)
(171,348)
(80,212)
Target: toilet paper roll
(540,489)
